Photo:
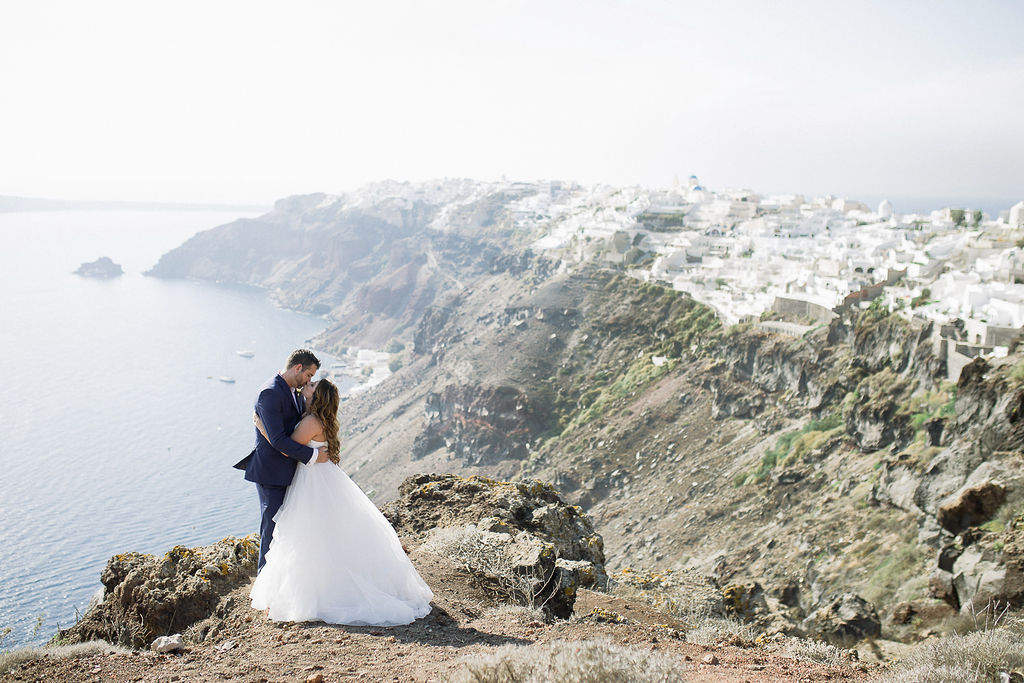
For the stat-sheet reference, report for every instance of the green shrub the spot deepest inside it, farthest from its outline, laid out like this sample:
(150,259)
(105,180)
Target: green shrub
(807,443)
(596,401)
(949,408)
(994,526)
(827,423)
(898,565)
(922,298)
(922,408)
(796,444)
(1017,373)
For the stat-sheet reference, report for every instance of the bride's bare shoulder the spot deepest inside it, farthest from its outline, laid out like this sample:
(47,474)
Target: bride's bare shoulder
(311,420)
(308,429)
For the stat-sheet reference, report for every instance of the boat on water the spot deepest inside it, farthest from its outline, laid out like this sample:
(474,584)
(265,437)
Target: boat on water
(228,380)
(245,354)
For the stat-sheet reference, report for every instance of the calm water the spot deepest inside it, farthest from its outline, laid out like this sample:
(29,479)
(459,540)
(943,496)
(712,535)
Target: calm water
(118,434)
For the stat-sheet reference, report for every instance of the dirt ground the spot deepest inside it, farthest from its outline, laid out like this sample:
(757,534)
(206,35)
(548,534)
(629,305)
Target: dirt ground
(463,623)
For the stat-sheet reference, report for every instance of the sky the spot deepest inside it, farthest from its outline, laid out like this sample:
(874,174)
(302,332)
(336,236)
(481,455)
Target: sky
(246,102)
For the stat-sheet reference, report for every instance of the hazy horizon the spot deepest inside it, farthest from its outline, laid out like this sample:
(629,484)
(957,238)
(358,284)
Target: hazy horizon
(901,204)
(244,103)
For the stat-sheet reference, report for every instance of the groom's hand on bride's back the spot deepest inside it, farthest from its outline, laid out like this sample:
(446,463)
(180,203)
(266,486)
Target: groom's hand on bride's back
(323,455)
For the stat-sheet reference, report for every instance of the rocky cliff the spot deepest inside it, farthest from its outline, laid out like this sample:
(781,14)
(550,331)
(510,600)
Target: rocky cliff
(748,456)
(374,264)
(835,464)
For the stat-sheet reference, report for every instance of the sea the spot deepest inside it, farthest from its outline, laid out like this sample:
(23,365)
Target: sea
(123,404)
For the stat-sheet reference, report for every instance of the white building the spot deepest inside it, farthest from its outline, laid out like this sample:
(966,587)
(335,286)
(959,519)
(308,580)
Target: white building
(1016,218)
(843,205)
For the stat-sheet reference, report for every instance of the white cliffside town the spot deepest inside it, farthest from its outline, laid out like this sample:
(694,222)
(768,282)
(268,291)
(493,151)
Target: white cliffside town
(745,254)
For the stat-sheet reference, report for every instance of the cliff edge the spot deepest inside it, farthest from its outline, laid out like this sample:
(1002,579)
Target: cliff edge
(479,610)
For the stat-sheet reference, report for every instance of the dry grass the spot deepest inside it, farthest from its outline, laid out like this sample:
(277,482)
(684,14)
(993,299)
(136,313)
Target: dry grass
(715,630)
(10,660)
(519,614)
(589,661)
(486,553)
(685,594)
(811,651)
(978,656)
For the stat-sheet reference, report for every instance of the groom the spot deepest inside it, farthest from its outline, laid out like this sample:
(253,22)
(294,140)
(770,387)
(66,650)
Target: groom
(271,465)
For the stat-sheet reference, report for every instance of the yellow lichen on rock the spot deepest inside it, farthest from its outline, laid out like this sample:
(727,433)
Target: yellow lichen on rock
(605,615)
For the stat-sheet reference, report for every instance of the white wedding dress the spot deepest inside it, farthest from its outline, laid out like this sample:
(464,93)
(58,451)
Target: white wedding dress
(335,558)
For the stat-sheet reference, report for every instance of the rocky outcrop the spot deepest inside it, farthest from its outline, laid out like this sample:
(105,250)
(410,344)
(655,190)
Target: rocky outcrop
(982,569)
(889,341)
(971,506)
(770,362)
(768,613)
(101,268)
(731,399)
(480,425)
(878,415)
(519,538)
(845,619)
(427,501)
(979,579)
(145,597)
(989,408)
(428,337)
(961,496)
(911,615)
(830,364)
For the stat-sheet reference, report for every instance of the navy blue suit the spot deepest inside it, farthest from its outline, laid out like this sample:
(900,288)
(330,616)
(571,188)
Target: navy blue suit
(271,471)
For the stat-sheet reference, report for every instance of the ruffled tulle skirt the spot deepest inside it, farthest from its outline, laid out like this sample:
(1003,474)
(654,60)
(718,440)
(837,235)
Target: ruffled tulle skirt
(335,558)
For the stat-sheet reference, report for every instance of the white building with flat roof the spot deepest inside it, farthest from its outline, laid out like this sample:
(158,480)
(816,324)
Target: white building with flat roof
(1016,216)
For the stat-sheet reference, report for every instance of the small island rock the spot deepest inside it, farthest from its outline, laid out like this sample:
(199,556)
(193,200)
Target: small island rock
(103,267)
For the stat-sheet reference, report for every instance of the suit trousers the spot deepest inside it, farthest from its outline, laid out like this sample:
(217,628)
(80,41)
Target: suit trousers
(271,498)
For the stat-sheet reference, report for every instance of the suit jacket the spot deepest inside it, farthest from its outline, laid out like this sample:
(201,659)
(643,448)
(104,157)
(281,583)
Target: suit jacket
(266,465)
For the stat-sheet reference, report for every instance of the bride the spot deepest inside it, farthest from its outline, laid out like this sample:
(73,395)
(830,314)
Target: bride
(334,557)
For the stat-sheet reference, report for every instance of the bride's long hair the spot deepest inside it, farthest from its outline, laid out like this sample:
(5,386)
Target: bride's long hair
(324,406)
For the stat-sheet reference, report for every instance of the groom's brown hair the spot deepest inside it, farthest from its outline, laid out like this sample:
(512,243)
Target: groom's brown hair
(303,357)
